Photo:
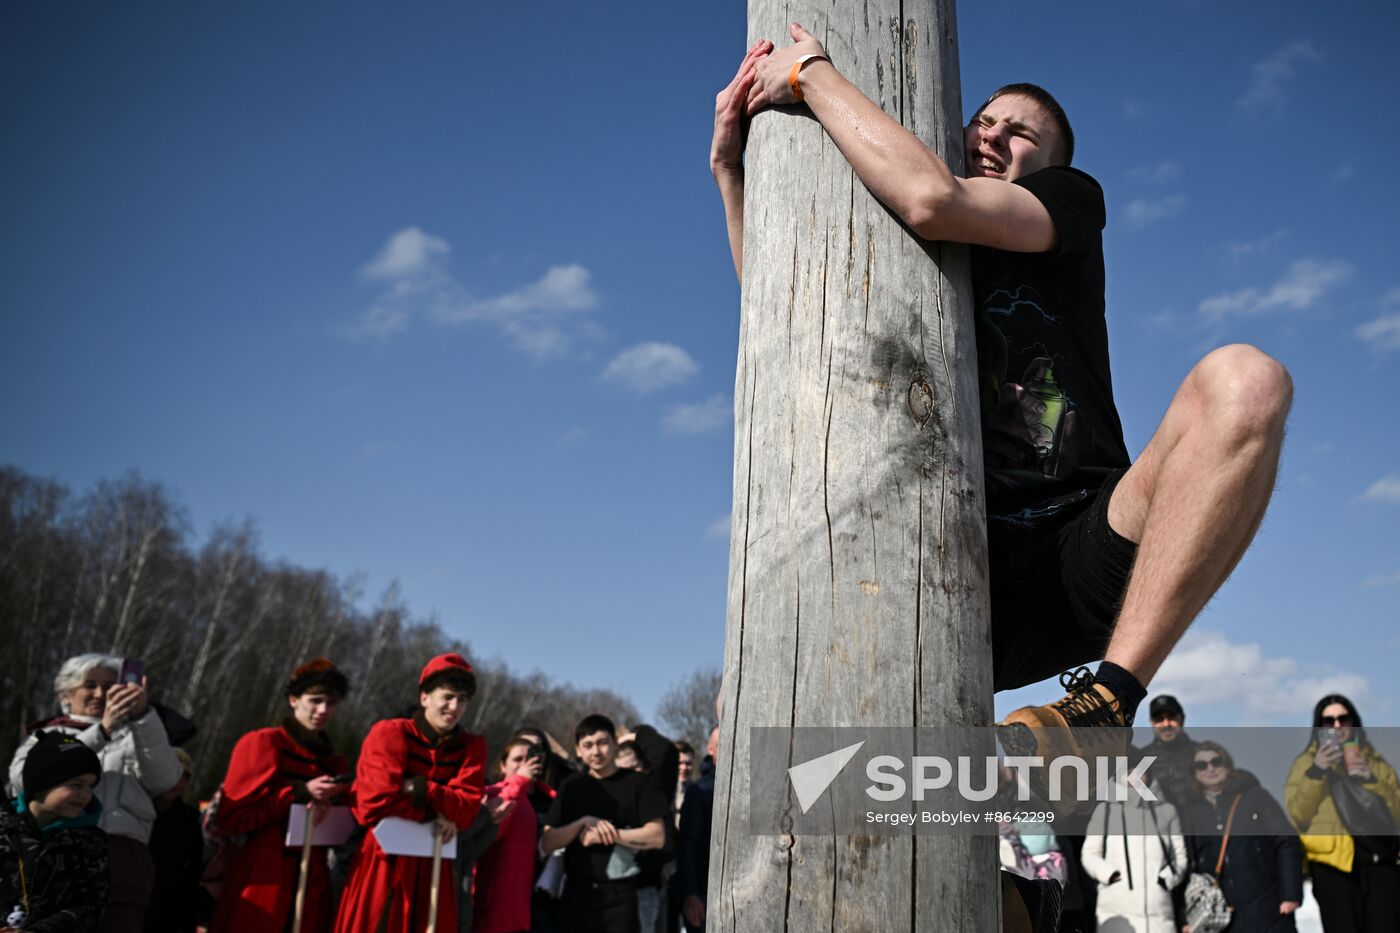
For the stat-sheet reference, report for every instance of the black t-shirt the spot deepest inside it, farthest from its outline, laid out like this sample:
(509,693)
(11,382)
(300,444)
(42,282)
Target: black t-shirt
(624,798)
(1049,424)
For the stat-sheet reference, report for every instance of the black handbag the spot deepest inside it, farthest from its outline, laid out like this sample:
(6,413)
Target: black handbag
(1362,812)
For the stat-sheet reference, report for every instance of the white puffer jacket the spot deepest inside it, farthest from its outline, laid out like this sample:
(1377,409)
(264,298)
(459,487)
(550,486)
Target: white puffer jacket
(1150,860)
(137,764)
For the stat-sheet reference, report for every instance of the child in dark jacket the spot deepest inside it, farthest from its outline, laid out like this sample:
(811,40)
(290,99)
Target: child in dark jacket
(53,858)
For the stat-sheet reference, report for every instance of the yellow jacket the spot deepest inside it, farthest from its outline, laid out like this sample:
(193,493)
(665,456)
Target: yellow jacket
(1309,803)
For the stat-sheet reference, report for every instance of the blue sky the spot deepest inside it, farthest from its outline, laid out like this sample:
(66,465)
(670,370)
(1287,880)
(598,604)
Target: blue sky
(439,293)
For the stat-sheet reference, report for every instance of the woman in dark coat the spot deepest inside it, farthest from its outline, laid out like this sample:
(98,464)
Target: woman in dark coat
(1262,877)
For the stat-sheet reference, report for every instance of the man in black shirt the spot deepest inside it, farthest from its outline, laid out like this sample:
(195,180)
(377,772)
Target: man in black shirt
(603,817)
(1091,555)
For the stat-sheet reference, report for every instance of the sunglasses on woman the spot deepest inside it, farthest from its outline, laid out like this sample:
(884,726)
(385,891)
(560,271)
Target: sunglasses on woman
(1342,720)
(1205,763)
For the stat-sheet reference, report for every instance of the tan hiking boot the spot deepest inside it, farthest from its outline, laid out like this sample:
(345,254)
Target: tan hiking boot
(1087,723)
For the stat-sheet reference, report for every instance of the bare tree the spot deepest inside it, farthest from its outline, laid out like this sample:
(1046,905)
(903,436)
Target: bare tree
(220,567)
(219,626)
(688,708)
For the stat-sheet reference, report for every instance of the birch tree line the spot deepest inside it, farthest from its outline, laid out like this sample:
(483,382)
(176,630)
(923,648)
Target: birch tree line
(219,626)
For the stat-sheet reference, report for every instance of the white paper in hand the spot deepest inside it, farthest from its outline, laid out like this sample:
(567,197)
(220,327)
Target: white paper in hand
(333,830)
(398,836)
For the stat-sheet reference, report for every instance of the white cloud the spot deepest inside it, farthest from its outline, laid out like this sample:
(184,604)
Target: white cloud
(1269,78)
(1207,669)
(562,288)
(1157,173)
(720,527)
(536,339)
(1263,244)
(1164,320)
(709,415)
(1385,490)
(1383,579)
(647,367)
(1297,290)
(412,269)
(1383,333)
(408,254)
(1144,211)
(379,321)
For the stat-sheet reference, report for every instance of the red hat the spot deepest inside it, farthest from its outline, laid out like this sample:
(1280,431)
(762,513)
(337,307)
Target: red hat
(448,668)
(318,674)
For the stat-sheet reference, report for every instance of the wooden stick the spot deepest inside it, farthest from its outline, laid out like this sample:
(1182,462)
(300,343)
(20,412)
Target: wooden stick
(300,910)
(437,879)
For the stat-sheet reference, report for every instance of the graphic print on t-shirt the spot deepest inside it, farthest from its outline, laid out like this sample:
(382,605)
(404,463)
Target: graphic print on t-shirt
(1030,423)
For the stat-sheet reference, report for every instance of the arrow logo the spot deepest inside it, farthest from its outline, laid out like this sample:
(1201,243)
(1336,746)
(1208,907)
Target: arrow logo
(811,778)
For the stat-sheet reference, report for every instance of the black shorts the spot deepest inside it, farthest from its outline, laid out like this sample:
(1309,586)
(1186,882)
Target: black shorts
(1057,584)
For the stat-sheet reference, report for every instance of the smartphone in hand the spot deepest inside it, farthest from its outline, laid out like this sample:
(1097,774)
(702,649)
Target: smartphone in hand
(133,671)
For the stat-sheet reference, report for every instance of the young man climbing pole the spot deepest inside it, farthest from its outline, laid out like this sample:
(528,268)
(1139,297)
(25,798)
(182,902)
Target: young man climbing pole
(1092,555)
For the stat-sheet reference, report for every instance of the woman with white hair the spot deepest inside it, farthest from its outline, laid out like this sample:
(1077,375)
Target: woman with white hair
(115,721)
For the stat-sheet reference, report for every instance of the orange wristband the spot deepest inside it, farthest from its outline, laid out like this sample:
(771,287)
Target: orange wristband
(797,69)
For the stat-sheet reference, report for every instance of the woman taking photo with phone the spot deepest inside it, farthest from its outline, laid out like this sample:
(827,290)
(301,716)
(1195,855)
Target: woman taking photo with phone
(505,873)
(1345,800)
(111,715)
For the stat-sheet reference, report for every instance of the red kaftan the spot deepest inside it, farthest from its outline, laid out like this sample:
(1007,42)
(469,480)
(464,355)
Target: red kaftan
(258,794)
(390,892)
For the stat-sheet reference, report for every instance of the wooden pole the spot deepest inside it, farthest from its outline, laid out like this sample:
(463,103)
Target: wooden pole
(299,910)
(857,575)
(437,879)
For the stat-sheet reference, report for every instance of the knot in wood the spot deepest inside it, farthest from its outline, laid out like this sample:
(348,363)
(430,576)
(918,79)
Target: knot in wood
(920,401)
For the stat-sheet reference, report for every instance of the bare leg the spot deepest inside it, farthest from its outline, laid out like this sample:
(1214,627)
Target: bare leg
(1195,498)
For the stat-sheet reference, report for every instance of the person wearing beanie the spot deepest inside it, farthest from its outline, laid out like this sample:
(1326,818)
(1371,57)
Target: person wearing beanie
(271,772)
(424,768)
(53,858)
(117,721)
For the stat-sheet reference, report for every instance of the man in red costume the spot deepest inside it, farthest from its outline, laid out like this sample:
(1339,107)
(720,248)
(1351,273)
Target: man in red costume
(423,768)
(271,772)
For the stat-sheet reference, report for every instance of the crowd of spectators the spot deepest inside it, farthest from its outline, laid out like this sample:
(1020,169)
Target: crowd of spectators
(1217,852)
(610,833)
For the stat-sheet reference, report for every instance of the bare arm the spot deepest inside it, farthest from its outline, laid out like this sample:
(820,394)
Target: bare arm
(557,837)
(731,192)
(650,835)
(727,149)
(896,166)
